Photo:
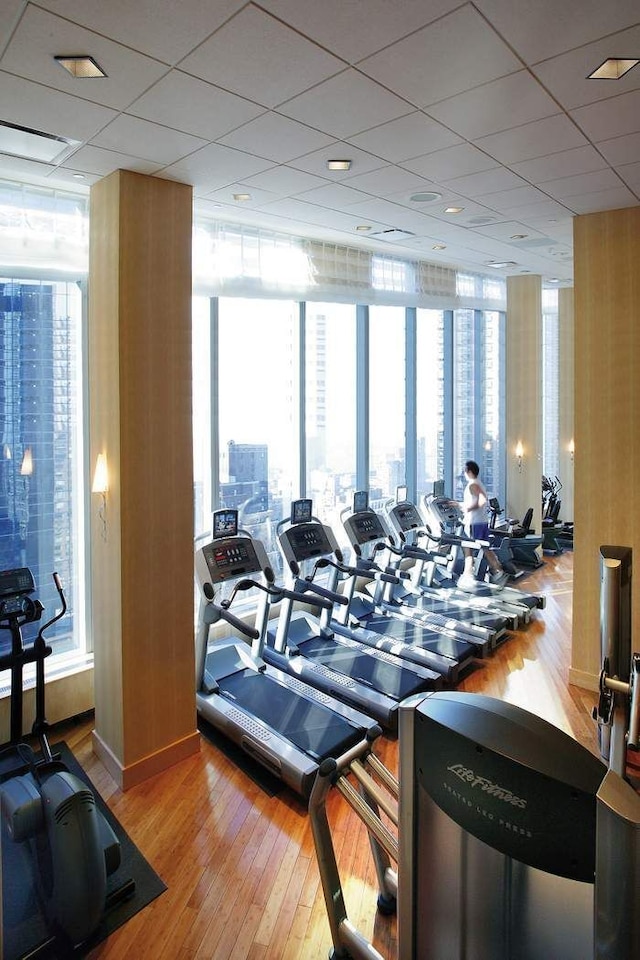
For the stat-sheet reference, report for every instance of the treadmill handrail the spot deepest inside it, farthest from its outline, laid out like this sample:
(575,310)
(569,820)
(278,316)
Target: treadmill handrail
(322,592)
(215,611)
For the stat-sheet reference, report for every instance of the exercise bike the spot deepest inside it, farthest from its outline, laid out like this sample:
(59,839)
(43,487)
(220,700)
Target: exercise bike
(71,847)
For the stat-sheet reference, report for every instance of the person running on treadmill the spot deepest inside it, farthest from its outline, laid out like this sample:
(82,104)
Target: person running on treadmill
(476,527)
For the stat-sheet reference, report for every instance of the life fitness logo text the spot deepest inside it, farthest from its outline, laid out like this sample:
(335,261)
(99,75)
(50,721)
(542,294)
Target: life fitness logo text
(493,789)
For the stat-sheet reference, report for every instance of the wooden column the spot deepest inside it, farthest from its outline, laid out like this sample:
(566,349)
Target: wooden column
(524,396)
(140,419)
(607,418)
(565,399)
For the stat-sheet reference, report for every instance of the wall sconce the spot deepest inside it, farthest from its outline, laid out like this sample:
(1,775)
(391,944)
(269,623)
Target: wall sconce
(519,455)
(100,485)
(26,467)
(572,449)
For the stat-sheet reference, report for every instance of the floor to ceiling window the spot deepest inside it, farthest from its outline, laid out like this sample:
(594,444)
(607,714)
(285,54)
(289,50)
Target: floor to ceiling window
(258,415)
(41,465)
(430,399)
(387,427)
(330,407)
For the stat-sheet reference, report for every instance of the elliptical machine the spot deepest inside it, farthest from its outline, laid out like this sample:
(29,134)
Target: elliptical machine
(72,847)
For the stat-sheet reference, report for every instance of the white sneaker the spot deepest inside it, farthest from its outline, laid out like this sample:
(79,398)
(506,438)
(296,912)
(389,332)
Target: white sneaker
(500,578)
(467,581)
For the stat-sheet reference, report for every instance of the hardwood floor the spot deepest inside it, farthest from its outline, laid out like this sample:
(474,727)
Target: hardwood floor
(240,865)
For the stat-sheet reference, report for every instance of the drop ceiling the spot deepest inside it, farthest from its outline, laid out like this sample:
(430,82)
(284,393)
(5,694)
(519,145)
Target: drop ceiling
(486,104)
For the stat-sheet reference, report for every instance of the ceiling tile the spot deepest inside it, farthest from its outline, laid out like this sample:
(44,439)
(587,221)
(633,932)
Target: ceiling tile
(285,181)
(50,111)
(41,36)
(346,105)
(630,173)
(260,58)
(565,164)
(358,28)
(434,63)
(542,137)
(613,199)
(150,141)
(389,180)
(456,161)
(160,28)
(278,138)
(489,181)
(490,108)
(567,187)
(614,117)
(545,28)
(506,200)
(215,166)
(193,106)
(411,136)
(102,162)
(333,195)
(620,149)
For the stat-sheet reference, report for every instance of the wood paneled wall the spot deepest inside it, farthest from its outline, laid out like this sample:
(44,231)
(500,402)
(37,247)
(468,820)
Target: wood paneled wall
(607,416)
(140,417)
(524,395)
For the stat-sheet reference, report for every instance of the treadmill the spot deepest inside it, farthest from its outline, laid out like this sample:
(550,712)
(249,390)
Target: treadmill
(307,647)
(289,727)
(444,518)
(436,646)
(408,524)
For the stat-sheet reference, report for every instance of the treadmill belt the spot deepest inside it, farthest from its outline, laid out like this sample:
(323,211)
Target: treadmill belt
(312,727)
(419,636)
(392,679)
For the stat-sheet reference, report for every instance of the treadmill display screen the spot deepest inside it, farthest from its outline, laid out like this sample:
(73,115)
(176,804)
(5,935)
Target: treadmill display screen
(366,527)
(301,511)
(360,501)
(230,559)
(308,541)
(225,523)
(407,516)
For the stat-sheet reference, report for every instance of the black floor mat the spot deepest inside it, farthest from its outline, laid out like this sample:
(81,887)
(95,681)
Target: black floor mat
(24,927)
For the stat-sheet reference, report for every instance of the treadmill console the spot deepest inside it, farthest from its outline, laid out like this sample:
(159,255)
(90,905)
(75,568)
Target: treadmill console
(306,540)
(364,527)
(224,559)
(405,517)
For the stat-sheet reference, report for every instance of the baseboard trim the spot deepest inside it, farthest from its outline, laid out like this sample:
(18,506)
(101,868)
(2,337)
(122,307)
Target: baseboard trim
(135,773)
(587,681)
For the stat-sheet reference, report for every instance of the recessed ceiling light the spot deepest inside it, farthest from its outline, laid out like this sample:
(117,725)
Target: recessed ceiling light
(453,209)
(554,280)
(338,164)
(612,69)
(242,197)
(428,196)
(439,246)
(363,228)
(81,67)
(501,263)
(519,236)
(79,176)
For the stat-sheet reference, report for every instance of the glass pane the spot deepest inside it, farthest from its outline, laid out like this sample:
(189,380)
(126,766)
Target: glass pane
(41,469)
(258,384)
(330,395)
(464,396)
(430,398)
(386,401)
(492,453)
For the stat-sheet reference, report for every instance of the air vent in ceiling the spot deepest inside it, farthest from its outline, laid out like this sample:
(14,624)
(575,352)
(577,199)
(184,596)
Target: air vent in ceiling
(30,144)
(393,234)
